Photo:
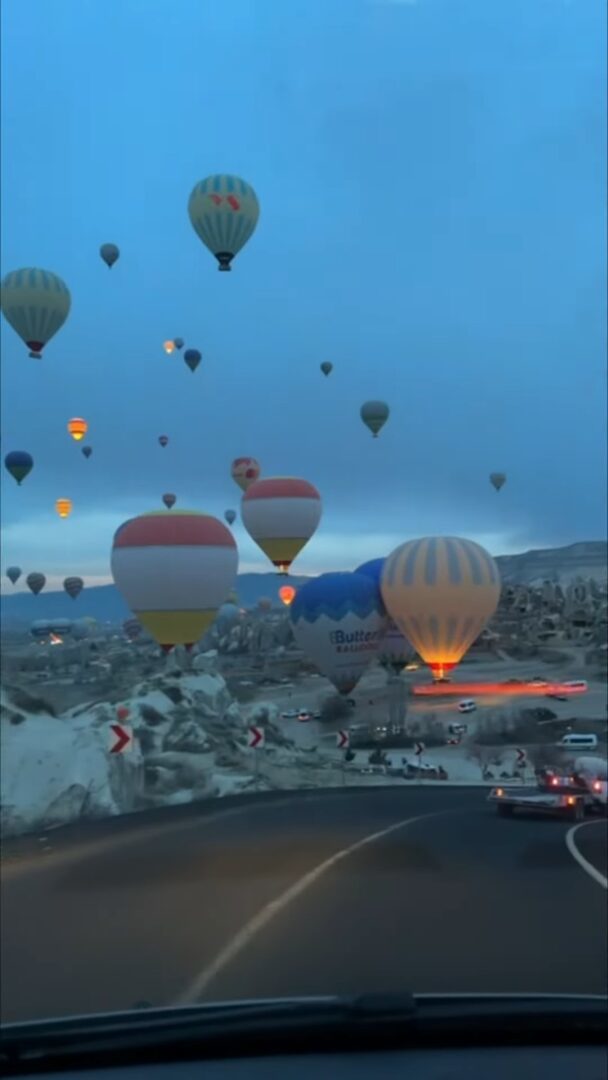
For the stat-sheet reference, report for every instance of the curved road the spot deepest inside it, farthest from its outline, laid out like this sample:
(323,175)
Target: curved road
(314,892)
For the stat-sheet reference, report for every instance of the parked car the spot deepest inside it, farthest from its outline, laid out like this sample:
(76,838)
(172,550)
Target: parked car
(467,705)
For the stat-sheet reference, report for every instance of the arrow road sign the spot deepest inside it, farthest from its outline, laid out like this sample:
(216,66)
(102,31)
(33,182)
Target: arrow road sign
(342,740)
(121,738)
(419,749)
(521,756)
(255,738)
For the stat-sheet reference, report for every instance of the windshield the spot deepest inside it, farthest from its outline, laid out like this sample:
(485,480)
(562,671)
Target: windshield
(303,500)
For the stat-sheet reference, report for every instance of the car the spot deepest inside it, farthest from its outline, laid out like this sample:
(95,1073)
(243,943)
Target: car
(467,705)
(289,714)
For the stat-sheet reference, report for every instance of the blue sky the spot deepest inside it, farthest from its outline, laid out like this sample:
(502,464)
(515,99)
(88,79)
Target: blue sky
(431,177)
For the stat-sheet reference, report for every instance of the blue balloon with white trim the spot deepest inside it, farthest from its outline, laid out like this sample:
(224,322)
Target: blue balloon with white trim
(338,621)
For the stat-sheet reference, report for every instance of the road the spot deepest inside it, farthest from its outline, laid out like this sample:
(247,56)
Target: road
(358,890)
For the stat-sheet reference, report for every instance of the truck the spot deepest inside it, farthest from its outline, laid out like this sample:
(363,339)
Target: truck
(571,796)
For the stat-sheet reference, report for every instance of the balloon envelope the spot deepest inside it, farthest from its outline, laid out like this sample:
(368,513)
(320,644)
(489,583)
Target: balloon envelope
(178,342)
(287,594)
(87,451)
(163,439)
(169,500)
(174,569)
(64,507)
(224,212)
(109,254)
(245,471)
(440,591)
(78,428)
(230,516)
(40,628)
(36,303)
(19,463)
(327,367)
(192,358)
(169,347)
(374,415)
(497,480)
(281,514)
(35,582)
(13,574)
(338,622)
(73,586)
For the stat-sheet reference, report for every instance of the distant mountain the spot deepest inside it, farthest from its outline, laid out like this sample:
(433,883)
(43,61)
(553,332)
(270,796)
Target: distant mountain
(588,559)
(104,602)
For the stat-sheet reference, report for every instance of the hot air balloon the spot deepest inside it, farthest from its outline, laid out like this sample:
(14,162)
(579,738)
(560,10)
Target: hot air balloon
(63,507)
(193,358)
(174,569)
(374,415)
(109,254)
(163,439)
(338,622)
(77,428)
(73,586)
(13,574)
(36,303)
(87,451)
(19,463)
(287,594)
(230,516)
(178,342)
(169,500)
(280,515)
(440,591)
(497,479)
(245,471)
(169,347)
(224,212)
(35,582)
(132,628)
(40,629)
(326,367)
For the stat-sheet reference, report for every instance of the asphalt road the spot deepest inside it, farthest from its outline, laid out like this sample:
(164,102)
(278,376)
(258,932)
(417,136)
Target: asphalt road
(240,900)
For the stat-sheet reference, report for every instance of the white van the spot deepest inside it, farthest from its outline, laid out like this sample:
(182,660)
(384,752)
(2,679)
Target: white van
(578,742)
(468,705)
(575,684)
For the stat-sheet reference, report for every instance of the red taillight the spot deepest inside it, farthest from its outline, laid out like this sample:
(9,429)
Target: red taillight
(554,781)
(597,785)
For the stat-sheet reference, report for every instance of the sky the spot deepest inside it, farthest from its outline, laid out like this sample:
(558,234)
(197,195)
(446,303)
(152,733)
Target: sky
(431,176)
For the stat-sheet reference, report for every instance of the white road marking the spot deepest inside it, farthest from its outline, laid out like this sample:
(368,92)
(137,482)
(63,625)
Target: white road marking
(263,917)
(588,867)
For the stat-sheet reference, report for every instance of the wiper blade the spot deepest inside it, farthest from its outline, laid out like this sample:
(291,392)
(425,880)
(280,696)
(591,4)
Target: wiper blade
(302,1025)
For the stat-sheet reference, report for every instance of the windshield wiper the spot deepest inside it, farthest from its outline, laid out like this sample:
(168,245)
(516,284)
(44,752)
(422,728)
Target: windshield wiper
(302,1025)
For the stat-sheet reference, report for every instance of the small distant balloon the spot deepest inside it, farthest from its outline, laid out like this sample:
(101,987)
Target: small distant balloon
(13,574)
(192,358)
(36,303)
(374,415)
(73,586)
(163,439)
(169,347)
(35,582)
(78,428)
(109,254)
(230,516)
(64,507)
(87,451)
(169,500)
(244,471)
(178,342)
(498,479)
(19,463)
(287,594)
(327,367)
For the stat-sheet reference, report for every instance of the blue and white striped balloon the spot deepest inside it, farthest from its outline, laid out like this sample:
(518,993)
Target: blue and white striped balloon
(224,212)
(36,303)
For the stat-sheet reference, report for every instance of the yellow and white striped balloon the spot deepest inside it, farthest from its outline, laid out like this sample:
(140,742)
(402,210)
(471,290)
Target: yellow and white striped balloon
(441,591)
(36,303)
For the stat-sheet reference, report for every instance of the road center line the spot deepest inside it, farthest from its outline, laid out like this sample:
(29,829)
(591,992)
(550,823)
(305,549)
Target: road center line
(588,867)
(263,917)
